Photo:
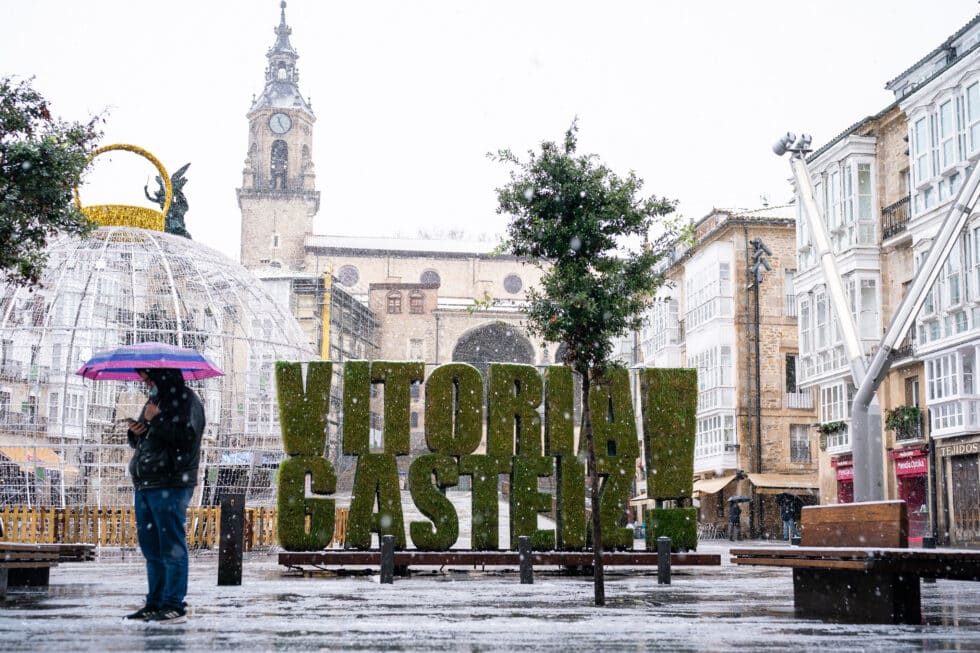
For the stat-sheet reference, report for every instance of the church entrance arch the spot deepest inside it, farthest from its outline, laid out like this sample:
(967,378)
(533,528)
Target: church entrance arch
(498,342)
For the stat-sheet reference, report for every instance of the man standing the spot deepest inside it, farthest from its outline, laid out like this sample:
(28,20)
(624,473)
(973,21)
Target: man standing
(167,440)
(788,512)
(734,521)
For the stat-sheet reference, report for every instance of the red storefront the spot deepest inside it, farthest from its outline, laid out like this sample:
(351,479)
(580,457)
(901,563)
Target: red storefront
(912,474)
(844,466)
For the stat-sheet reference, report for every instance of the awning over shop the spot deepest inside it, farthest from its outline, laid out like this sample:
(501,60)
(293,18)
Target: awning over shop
(712,485)
(776,483)
(28,458)
(641,500)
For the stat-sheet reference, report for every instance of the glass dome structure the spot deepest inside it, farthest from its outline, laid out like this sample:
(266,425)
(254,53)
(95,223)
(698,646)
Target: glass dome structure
(63,438)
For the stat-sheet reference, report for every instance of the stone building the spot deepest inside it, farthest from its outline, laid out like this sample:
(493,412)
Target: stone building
(753,419)
(885,186)
(407,299)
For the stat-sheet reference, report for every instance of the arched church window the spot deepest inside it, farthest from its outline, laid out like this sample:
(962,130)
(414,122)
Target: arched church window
(394,302)
(430,276)
(281,73)
(513,284)
(348,275)
(280,157)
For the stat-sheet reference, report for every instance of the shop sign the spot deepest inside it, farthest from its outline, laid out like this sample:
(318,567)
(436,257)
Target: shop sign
(844,466)
(959,449)
(908,452)
(916,466)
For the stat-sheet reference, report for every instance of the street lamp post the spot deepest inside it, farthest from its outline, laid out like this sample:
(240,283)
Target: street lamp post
(760,264)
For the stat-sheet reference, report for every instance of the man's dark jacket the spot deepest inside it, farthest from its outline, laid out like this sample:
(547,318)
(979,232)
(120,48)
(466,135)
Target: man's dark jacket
(169,454)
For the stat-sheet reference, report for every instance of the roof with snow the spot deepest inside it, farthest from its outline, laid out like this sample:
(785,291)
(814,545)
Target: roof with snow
(394,245)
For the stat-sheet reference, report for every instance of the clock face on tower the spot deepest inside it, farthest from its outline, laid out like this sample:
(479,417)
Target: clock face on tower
(280,123)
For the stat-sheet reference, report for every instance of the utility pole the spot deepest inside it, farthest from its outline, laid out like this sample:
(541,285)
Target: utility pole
(760,264)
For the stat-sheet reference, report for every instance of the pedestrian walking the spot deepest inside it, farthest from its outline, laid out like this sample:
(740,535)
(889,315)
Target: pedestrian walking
(734,521)
(167,443)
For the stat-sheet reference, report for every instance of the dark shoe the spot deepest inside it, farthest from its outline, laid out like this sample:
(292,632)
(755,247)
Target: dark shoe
(142,614)
(168,616)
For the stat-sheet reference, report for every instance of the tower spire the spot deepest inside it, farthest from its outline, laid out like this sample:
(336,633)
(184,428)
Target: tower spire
(281,75)
(283,31)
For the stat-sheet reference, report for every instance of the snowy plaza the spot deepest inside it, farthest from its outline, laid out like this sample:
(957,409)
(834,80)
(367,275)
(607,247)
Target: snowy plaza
(726,608)
(429,362)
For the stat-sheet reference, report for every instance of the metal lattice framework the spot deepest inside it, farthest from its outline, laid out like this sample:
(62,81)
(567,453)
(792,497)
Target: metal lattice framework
(63,438)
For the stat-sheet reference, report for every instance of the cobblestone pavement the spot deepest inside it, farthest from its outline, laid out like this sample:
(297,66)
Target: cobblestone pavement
(725,608)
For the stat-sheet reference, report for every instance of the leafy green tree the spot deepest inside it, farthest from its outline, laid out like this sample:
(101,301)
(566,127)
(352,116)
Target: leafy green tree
(587,229)
(41,161)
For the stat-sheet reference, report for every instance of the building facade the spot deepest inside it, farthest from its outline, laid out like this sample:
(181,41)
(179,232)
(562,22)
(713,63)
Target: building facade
(402,299)
(884,187)
(733,320)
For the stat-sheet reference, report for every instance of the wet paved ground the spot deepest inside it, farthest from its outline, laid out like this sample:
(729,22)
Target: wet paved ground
(725,608)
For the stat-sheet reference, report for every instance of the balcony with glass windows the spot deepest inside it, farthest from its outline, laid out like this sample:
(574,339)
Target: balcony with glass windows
(715,445)
(716,307)
(839,441)
(715,456)
(956,417)
(826,362)
(895,218)
(717,397)
(25,422)
(11,370)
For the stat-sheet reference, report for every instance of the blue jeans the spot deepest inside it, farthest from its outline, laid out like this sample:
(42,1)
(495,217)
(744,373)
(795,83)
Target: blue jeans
(161,517)
(789,529)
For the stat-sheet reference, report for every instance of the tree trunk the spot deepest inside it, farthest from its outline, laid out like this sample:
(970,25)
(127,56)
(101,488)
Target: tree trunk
(600,576)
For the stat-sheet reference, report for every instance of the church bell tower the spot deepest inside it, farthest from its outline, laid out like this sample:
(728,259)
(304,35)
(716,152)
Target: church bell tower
(278,197)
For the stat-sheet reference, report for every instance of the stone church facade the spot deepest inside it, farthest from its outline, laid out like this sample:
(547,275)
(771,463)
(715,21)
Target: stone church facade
(376,298)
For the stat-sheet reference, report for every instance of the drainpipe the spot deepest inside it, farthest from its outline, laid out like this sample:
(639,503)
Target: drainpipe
(758,408)
(436,315)
(933,498)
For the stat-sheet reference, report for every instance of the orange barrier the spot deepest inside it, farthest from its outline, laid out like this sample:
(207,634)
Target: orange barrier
(116,527)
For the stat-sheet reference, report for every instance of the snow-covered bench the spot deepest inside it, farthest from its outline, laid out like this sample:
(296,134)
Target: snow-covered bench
(29,565)
(854,564)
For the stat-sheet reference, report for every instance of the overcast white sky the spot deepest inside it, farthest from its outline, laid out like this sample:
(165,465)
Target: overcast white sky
(410,95)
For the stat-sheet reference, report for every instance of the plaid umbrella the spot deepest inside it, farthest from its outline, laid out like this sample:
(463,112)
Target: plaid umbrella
(121,364)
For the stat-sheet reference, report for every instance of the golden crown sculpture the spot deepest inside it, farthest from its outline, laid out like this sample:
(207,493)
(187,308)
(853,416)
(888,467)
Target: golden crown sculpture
(123,215)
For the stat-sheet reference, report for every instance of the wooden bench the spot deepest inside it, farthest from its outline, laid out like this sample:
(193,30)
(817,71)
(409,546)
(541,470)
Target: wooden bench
(29,565)
(854,564)
(461,557)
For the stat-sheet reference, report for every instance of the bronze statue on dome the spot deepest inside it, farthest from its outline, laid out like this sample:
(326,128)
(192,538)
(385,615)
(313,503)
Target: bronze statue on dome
(178,207)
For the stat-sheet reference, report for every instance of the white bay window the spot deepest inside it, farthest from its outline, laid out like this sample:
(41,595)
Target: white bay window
(943,137)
